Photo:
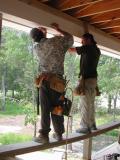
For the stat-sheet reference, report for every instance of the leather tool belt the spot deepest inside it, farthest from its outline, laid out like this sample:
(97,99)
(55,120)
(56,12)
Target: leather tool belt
(80,88)
(57,83)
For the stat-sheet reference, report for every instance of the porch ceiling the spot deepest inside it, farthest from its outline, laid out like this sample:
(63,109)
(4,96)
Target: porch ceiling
(103,14)
(100,17)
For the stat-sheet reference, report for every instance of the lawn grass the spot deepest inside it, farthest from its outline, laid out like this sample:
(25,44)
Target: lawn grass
(11,138)
(12,109)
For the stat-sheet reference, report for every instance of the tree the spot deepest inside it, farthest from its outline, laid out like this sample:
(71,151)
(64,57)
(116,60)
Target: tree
(16,61)
(109,78)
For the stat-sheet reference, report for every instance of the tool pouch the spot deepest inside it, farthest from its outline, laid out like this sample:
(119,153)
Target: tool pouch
(57,84)
(63,109)
(38,81)
(67,105)
(80,88)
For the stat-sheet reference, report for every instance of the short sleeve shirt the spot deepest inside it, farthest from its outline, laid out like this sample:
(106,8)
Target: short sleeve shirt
(51,53)
(89,60)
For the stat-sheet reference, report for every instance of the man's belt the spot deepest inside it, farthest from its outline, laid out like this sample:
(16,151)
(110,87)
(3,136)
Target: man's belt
(57,82)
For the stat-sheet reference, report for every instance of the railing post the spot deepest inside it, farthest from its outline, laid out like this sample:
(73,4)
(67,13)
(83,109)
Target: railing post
(87,149)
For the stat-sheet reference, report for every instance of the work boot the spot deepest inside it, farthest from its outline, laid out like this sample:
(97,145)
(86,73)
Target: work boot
(83,130)
(93,127)
(41,138)
(57,136)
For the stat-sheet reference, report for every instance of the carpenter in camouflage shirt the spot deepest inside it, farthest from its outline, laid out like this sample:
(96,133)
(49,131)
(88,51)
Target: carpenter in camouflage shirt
(51,54)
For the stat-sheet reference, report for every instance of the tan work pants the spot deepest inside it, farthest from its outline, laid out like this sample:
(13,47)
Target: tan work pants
(87,103)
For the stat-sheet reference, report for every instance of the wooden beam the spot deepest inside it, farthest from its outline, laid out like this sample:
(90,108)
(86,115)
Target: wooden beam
(70,4)
(116,35)
(86,27)
(101,24)
(97,8)
(108,27)
(71,11)
(113,30)
(21,148)
(111,24)
(40,14)
(105,17)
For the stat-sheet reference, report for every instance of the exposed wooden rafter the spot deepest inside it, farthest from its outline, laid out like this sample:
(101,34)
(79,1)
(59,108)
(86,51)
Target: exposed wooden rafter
(108,24)
(103,14)
(113,30)
(116,35)
(105,17)
(111,24)
(99,7)
(70,4)
(71,11)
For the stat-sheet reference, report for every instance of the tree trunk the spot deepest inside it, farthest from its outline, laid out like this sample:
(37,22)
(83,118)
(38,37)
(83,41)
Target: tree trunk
(115,102)
(34,105)
(3,93)
(109,103)
(13,95)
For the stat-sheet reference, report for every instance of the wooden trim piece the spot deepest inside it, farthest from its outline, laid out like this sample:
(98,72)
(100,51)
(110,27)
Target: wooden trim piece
(21,148)
(98,8)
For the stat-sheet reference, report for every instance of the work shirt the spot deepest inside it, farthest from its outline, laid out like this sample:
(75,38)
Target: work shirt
(51,53)
(89,60)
